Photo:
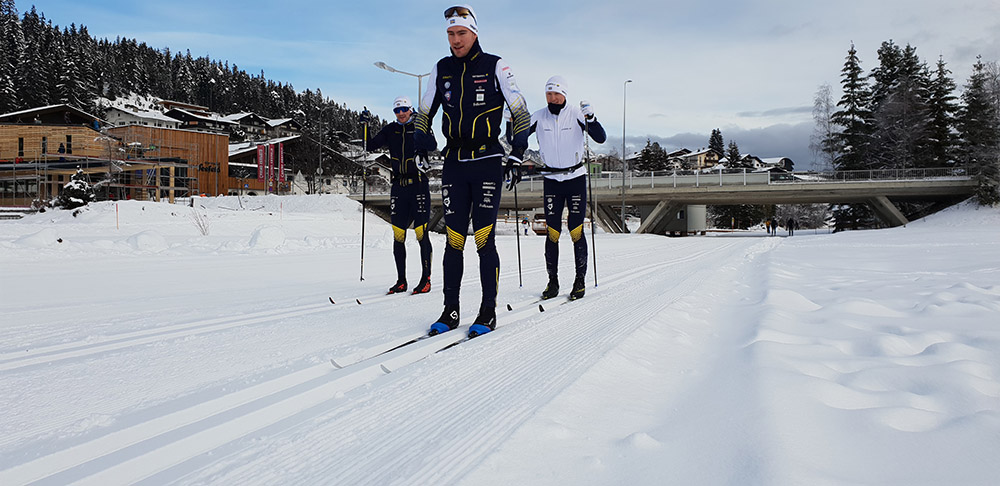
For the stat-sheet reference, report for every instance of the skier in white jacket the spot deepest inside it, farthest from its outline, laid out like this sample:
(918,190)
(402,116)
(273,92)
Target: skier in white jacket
(561,130)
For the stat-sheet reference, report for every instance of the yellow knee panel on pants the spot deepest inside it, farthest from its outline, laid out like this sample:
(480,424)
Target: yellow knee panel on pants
(576,233)
(482,236)
(420,230)
(399,233)
(456,240)
(553,235)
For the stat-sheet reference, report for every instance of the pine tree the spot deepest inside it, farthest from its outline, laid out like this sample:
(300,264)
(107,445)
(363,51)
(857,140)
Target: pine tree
(734,156)
(69,88)
(741,216)
(716,143)
(979,126)
(652,157)
(854,115)
(11,49)
(942,110)
(902,112)
(77,192)
(855,138)
(885,76)
(32,88)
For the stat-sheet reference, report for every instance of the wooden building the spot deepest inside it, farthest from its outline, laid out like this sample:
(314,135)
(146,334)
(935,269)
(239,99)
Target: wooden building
(41,148)
(202,157)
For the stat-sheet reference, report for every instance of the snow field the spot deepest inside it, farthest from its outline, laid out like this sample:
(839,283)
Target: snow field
(146,352)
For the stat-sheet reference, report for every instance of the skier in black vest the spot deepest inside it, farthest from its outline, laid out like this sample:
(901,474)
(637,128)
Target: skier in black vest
(471,87)
(409,198)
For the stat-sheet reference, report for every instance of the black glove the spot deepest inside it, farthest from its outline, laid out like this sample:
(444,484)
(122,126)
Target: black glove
(512,172)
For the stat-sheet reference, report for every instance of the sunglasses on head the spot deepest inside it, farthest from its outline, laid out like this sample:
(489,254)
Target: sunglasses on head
(458,12)
(400,109)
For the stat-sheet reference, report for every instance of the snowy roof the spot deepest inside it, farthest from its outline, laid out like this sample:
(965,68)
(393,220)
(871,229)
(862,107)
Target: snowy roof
(47,109)
(212,118)
(775,160)
(280,121)
(237,117)
(151,115)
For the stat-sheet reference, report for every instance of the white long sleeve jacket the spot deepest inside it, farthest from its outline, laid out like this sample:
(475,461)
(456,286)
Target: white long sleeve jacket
(561,140)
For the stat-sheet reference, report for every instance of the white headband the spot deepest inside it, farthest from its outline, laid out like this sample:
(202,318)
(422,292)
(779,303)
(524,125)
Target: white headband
(468,21)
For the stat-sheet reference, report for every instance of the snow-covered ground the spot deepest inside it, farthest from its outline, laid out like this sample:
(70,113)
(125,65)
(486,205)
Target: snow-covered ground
(135,349)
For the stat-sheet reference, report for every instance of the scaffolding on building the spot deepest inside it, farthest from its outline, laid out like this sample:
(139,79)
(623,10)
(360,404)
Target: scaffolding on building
(130,166)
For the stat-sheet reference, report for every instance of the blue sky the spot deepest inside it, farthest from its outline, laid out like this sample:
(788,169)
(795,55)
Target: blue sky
(750,68)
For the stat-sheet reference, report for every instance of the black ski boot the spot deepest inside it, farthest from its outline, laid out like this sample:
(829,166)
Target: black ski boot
(447,321)
(552,289)
(423,287)
(485,322)
(579,288)
(399,287)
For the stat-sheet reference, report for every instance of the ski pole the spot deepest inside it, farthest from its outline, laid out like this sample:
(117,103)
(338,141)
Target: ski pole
(590,188)
(517,231)
(364,191)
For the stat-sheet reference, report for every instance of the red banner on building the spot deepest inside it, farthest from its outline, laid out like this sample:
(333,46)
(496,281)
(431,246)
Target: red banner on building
(281,162)
(271,153)
(260,163)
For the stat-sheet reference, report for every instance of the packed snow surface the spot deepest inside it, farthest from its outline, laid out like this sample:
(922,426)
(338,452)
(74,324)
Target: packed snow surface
(166,344)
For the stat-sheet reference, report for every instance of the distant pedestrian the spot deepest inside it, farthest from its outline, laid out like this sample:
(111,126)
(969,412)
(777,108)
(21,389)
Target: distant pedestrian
(791,227)
(767,226)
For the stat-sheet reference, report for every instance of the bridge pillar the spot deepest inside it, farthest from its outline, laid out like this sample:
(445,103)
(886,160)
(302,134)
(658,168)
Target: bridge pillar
(660,218)
(887,211)
(607,218)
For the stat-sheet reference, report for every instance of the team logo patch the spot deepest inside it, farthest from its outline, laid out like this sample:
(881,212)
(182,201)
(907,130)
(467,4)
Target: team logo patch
(447,95)
(447,84)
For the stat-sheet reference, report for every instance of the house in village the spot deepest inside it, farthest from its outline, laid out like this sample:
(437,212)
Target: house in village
(283,127)
(248,126)
(121,117)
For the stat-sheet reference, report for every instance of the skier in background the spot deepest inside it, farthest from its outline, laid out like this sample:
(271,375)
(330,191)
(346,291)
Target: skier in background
(409,198)
(471,87)
(561,130)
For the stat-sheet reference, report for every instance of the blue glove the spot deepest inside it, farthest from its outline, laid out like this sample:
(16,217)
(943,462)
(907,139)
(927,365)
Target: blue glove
(365,117)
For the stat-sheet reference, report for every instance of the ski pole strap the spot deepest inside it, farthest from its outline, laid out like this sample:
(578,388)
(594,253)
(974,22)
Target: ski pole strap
(556,170)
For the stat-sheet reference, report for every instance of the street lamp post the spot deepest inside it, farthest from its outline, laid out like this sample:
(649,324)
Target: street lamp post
(624,163)
(322,134)
(420,77)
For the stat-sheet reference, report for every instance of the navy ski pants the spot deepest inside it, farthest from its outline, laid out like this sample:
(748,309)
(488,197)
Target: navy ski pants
(471,191)
(410,204)
(559,194)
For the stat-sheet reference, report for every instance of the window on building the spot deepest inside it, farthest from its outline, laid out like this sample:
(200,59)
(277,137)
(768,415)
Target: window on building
(45,145)
(20,147)
(69,144)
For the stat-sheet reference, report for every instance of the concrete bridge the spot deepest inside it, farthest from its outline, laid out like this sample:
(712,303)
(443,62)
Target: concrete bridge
(662,195)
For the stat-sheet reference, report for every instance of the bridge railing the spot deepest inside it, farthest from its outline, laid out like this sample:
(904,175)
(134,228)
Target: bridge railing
(743,177)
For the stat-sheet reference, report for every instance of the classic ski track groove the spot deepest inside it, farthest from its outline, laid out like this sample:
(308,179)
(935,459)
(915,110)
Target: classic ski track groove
(351,425)
(317,387)
(49,354)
